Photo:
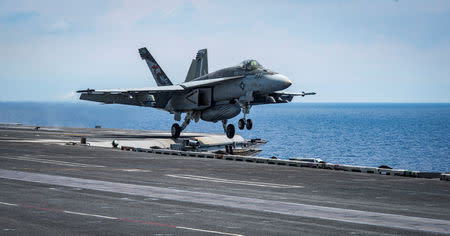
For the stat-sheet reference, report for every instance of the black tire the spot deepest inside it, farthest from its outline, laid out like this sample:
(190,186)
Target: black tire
(230,131)
(249,124)
(241,124)
(176,130)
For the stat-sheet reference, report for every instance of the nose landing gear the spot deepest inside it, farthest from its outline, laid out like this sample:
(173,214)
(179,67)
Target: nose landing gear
(242,123)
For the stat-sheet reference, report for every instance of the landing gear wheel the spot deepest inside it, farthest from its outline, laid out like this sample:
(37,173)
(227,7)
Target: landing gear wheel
(241,124)
(249,124)
(230,131)
(176,130)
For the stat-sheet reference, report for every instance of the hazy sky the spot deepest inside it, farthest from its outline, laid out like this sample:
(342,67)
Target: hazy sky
(347,51)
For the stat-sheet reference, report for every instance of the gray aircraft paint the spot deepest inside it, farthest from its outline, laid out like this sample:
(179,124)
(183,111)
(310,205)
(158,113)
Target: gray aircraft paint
(157,72)
(219,95)
(221,112)
(199,66)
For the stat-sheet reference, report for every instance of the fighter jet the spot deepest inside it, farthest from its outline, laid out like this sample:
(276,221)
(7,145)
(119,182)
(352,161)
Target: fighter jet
(212,97)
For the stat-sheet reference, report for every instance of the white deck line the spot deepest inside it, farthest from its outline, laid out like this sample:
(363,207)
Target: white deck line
(286,208)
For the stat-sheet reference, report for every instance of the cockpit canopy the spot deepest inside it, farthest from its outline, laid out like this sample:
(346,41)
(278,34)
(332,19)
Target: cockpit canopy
(250,65)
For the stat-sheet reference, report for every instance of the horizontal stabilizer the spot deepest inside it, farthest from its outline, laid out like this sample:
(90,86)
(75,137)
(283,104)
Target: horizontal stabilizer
(135,99)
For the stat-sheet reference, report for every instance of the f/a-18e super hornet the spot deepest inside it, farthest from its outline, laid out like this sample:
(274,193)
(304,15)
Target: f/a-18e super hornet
(216,96)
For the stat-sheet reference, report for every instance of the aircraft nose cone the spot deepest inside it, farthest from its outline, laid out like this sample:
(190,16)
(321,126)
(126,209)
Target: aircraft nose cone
(275,82)
(283,81)
(287,82)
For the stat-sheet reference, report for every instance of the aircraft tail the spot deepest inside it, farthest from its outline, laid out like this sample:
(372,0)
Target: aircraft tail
(158,74)
(199,65)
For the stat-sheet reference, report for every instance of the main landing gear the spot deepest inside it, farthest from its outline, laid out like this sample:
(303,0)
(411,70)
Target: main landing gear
(176,129)
(229,129)
(242,123)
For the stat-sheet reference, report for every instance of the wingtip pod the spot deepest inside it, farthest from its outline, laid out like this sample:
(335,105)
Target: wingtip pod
(86,91)
(310,93)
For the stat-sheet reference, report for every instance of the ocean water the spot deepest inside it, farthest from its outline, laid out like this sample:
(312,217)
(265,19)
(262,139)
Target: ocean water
(404,136)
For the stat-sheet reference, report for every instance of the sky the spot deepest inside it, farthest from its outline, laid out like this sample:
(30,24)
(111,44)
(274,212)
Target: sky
(346,51)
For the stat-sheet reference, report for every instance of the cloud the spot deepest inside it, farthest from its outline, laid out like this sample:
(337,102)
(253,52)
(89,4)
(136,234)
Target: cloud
(347,50)
(17,17)
(59,26)
(128,13)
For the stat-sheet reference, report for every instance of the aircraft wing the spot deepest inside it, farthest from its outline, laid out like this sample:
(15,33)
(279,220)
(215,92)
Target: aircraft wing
(277,97)
(207,82)
(145,96)
(135,98)
(151,90)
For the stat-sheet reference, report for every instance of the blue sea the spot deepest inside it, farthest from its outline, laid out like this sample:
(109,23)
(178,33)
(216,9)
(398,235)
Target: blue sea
(404,136)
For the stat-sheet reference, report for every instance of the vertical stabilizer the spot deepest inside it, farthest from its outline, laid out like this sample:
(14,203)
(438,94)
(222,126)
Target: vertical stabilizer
(157,72)
(199,65)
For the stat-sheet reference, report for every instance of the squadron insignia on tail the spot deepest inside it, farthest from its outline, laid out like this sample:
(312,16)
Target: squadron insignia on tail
(157,72)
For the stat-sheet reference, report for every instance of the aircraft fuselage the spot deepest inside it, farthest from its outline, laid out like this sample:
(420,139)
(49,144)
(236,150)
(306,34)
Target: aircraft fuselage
(258,81)
(216,96)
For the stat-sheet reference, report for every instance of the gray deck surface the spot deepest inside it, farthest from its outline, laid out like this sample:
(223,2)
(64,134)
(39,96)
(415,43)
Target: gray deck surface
(51,189)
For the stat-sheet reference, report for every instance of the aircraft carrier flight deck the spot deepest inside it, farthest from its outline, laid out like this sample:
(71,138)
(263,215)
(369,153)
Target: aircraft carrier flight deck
(52,185)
